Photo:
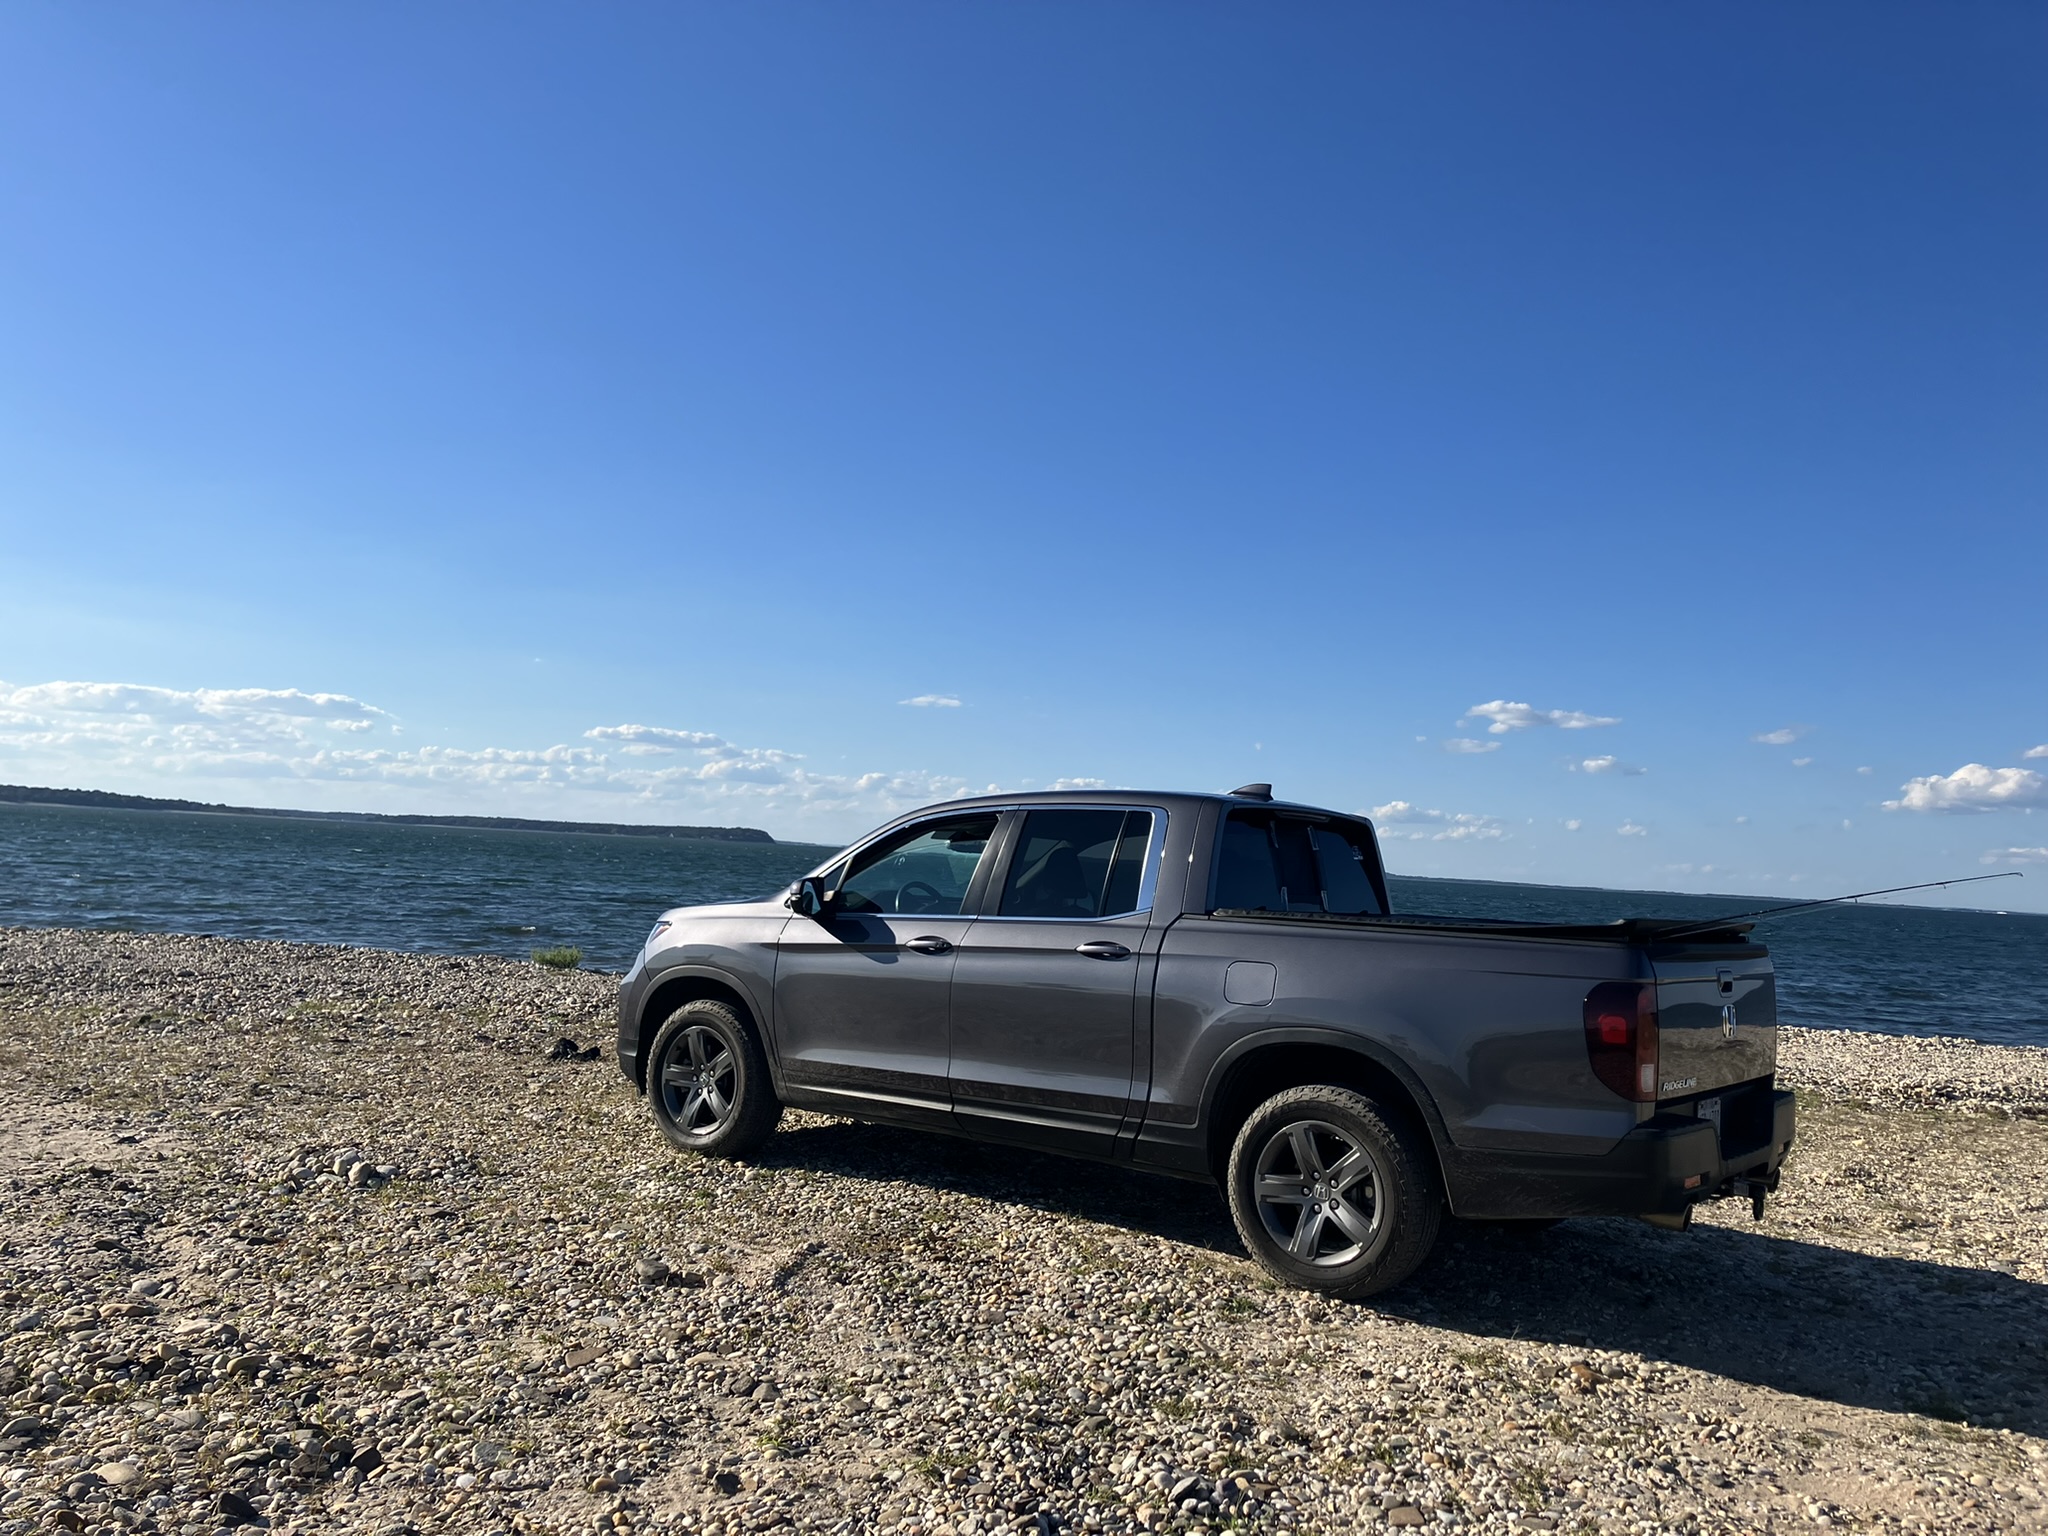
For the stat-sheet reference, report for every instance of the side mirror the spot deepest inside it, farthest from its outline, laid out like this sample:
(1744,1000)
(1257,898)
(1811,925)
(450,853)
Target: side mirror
(808,898)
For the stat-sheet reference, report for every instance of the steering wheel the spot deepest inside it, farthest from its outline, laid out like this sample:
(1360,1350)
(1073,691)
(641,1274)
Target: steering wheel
(909,898)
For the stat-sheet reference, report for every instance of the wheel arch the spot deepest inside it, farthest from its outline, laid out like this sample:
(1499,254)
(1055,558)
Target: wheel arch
(688,984)
(1267,1063)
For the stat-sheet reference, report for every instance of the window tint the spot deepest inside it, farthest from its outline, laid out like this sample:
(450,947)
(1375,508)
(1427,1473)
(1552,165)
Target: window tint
(1077,864)
(1246,879)
(1347,886)
(923,869)
(1280,863)
(1127,874)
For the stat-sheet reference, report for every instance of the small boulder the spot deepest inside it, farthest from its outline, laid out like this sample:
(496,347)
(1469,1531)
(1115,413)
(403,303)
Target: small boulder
(235,1509)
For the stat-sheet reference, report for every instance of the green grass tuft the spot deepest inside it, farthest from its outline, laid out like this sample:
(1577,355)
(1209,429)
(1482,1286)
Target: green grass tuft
(563,957)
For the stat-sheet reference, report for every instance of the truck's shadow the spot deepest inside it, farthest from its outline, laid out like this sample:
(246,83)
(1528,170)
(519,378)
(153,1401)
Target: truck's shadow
(1874,1332)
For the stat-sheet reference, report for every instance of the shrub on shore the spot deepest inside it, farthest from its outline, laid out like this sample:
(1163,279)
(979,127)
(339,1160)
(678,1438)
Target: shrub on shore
(563,957)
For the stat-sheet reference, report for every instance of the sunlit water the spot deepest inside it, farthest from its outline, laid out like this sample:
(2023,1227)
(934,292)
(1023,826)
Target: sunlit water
(1898,969)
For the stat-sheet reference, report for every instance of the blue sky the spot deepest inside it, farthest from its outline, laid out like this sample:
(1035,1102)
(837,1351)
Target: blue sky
(1606,439)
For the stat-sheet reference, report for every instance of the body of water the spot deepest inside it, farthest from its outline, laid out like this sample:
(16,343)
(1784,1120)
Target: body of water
(1895,969)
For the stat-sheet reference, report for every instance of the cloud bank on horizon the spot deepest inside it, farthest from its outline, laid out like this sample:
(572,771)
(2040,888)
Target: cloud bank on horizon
(325,749)
(149,740)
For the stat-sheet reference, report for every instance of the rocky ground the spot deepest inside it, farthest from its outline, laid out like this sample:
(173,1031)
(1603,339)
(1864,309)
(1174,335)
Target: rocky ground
(312,1239)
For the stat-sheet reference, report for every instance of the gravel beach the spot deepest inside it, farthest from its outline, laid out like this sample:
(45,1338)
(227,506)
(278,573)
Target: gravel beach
(307,1238)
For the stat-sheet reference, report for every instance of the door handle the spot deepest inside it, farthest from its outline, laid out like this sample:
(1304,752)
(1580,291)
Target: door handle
(928,944)
(1102,949)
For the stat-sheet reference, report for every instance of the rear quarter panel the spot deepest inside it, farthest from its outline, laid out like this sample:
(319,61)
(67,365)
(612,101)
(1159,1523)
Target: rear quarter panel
(1492,1029)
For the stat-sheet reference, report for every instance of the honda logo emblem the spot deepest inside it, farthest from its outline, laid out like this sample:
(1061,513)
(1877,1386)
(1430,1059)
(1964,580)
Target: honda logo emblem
(1727,1021)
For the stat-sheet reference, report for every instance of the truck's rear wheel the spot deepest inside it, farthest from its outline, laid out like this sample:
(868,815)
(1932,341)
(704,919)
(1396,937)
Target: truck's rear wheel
(1331,1193)
(707,1082)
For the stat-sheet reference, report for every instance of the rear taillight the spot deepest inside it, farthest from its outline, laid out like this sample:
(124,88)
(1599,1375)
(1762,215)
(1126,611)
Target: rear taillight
(1621,1037)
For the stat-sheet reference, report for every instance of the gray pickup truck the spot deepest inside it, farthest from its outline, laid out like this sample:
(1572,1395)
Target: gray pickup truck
(1216,986)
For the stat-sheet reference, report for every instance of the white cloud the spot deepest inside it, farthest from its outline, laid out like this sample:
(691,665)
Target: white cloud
(1470,744)
(1973,787)
(134,712)
(1801,762)
(1402,821)
(1632,829)
(2040,751)
(2015,856)
(1573,826)
(1866,770)
(1607,765)
(1783,736)
(932,701)
(656,736)
(1079,784)
(1742,821)
(1507,715)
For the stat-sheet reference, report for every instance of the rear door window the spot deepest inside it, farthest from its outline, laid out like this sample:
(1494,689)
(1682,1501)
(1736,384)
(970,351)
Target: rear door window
(1269,861)
(1077,864)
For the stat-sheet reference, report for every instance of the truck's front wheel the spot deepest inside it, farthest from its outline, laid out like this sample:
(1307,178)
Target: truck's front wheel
(707,1082)
(1331,1193)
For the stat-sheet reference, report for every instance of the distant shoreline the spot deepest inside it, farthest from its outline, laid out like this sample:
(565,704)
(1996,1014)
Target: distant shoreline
(99,799)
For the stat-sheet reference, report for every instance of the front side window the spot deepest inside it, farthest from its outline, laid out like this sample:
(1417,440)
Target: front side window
(923,870)
(1077,864)
(1273,862)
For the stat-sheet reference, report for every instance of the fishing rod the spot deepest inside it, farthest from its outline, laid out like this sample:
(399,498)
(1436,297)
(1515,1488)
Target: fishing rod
(1828,901)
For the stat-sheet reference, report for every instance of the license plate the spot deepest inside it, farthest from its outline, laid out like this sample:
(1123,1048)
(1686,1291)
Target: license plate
(1710,1109)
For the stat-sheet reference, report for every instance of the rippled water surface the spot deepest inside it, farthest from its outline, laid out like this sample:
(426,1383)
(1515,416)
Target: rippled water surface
(442,889)
(1912,970)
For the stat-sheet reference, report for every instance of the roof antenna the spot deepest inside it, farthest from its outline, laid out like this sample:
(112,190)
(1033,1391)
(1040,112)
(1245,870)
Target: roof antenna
(1252,792)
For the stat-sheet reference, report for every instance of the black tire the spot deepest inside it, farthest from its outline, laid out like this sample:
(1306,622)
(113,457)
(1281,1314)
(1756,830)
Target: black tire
(708,1084)
(1345,1228)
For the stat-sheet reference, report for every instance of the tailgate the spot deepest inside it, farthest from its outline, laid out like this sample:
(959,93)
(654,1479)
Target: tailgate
(1717,1020)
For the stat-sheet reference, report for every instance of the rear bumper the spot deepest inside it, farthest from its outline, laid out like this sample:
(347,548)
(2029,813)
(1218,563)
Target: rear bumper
(1658,1169)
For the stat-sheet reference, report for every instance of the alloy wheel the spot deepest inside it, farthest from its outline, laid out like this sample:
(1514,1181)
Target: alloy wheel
(1317,1191)
(698,1081)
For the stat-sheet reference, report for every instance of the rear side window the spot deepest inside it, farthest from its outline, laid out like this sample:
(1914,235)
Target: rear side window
(1077,864)
(1268,862)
